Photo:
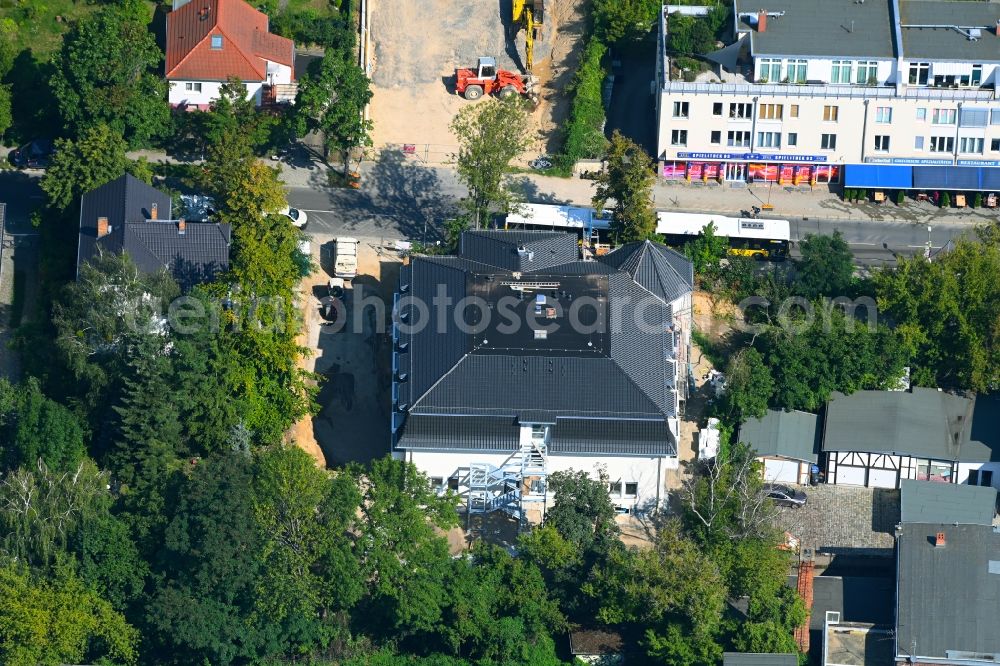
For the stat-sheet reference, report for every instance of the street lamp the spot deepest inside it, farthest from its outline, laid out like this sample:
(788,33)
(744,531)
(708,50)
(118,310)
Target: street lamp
(927,252)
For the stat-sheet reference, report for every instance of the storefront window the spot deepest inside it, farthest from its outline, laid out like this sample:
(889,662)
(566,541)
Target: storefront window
(933,470)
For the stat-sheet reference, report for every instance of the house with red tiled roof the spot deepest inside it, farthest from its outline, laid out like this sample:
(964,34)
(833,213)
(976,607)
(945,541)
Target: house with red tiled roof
(209,41)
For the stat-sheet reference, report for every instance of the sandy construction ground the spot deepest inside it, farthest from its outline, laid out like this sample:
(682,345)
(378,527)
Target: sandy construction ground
(420,43)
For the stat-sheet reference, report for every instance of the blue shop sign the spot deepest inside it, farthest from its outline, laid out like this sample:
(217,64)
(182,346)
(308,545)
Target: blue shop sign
(751,157)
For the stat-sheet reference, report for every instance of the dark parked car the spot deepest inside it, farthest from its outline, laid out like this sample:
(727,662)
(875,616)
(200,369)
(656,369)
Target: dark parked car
(785,496)
(32,155)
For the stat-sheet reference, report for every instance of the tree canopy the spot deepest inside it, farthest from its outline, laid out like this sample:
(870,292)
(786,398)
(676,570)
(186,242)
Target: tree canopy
(331,98)
(948,311)
(628,181)
(78,166)
(826,267)
(106,74)
(490,133)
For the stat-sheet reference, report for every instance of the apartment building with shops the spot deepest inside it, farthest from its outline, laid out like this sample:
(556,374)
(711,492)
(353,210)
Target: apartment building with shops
(902,90)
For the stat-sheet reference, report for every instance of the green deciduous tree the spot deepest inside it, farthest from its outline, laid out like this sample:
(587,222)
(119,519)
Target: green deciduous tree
(706,251)
(949,311)
(94,158)
(403,559)
(6,114)
(32,427)
(331,98)
(201,610)
(689,35)
(309,575)
(749,385)
(490,135)
(629,20)
(58,621)
(582,511)
(826,267)
(49,518)
(628,181)
(105,73)
(834,352)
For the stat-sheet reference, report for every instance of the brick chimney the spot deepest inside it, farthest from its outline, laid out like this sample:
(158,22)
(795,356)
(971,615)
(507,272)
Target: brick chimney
(939,540)
(153,211)
(103,229)
(805,589)
(181,225)
(761,21)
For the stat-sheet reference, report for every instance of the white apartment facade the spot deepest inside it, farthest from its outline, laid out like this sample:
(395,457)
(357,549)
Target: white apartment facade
(809,89)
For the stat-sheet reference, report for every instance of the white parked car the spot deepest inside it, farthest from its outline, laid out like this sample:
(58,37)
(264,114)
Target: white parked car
(297,216)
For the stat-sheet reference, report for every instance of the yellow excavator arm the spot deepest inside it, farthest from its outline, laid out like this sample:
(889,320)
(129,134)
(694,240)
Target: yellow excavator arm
(527,14)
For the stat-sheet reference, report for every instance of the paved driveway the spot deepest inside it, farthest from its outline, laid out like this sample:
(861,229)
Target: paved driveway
(838,518)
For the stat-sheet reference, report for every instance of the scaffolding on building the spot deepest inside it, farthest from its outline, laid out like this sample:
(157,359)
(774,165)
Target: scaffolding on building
(512,487)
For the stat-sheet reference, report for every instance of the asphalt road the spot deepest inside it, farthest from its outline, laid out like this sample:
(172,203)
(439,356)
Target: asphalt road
(403,199)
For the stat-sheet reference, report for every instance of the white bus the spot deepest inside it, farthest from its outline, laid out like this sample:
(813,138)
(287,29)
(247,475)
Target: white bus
(752,237)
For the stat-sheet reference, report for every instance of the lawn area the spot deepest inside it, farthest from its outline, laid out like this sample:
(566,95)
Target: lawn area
(40,25)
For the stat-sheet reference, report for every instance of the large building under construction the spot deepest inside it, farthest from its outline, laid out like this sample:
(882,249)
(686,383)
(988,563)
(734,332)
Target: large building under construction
(516,359)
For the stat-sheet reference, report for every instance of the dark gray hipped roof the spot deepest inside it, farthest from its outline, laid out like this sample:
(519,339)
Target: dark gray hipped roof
(948,596)
(944,42)
(124,199)
(196,255)
(922,423)
(539,249)
(618,378)
(946,503)
(660,270)
(794,435)
(820,28)
(748,659)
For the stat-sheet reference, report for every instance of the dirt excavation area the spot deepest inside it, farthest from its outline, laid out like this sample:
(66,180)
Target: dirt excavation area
(420,44)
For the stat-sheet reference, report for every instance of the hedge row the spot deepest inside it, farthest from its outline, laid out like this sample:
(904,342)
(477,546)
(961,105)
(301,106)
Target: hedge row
(584,129)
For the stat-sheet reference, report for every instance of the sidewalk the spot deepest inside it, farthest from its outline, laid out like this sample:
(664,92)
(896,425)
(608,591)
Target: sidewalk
(729,199)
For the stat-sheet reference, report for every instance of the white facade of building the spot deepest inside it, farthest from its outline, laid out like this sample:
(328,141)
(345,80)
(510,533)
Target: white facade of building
(201,94)
(799,119)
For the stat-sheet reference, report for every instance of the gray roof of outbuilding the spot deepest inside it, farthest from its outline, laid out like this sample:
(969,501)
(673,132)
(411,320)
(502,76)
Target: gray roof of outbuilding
(947,597)
(622,378)
(821,28)
(794,435)
(946,503)
(923,422)
(754,659)
(948,43)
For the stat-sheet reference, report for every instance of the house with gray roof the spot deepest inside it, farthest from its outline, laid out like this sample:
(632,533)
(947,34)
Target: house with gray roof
(127,215)
(946,503)
(787,444)
(947,594)
(879,438)
(515,358)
